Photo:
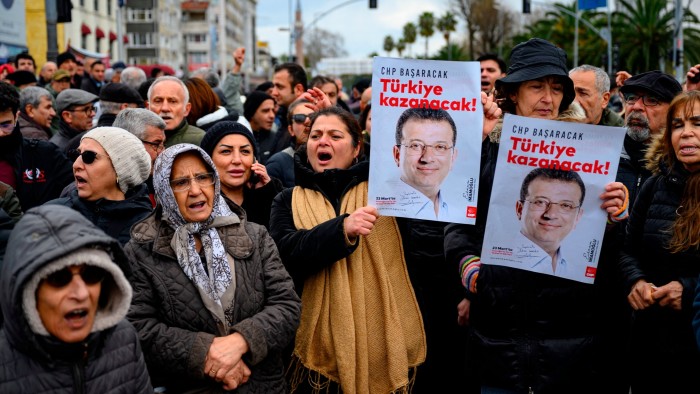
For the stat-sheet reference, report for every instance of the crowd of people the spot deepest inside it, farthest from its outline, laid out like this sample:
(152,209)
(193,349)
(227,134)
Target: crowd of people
(183,235)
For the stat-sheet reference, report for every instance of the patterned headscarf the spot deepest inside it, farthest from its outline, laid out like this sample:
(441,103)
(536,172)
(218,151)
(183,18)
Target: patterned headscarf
(217,282)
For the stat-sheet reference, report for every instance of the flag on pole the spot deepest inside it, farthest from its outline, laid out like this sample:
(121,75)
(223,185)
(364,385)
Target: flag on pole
(591,4)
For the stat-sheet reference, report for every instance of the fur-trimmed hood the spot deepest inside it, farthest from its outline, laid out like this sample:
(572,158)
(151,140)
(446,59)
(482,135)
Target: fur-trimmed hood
(655,159)
(47,239)
(574,113)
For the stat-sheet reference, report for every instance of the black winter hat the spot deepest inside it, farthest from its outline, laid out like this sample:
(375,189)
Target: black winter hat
(21,77)
(120,93)
(220,130)
(662,85)
(254,100)
(538,58)
(64,57)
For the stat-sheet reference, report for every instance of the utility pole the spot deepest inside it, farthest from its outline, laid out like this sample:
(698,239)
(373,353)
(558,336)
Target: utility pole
(51,36)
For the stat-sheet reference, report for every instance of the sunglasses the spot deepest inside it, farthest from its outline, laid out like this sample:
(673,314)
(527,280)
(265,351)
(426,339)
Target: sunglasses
(300,118)
(90,274)
(88,156)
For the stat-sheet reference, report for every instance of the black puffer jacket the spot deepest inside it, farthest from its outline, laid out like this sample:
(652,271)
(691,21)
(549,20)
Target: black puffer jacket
(175,327)
(306,252)
(663,332)
(113,217)
(109,360)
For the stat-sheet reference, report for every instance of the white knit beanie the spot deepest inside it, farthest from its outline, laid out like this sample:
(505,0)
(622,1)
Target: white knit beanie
(129,158)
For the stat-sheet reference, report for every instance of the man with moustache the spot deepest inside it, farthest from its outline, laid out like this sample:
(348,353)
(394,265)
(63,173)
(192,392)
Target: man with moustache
(647,97)
(425,152)
(169,98)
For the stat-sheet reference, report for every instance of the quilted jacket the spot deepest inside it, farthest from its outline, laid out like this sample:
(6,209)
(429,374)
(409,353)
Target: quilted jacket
(109,360)
(175,327)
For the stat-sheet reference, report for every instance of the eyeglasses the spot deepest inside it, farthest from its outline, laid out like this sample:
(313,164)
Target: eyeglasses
(543,205)
(184,184)
(648,101)
(7,127)
(86,110)
(300,118)
(156,146)
(88,155)
(90,274)
(418,148)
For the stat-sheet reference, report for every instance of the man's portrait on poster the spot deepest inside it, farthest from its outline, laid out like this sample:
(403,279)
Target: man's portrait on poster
(424,152)
(548,209)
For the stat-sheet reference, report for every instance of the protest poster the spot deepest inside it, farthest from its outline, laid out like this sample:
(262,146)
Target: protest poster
(545,215)
(425,151)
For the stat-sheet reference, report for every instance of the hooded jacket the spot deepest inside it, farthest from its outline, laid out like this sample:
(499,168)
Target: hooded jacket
(41,170)
(109,360)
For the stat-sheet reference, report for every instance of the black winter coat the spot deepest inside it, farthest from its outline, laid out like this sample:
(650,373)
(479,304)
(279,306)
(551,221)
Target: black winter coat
(175,327)
(305,252)
(114,217)
(661,332)
(529,331)
(41,169)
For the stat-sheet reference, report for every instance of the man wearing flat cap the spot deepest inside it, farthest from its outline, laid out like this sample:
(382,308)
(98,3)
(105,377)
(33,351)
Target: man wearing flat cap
(59,82)
(647,97)
(114,97)
(75,108)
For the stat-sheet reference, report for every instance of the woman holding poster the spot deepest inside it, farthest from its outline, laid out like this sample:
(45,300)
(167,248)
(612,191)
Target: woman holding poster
(361,330)
(660,260)
(531,331)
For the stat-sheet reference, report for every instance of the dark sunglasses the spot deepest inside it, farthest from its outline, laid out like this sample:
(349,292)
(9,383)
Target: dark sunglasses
(88,156)
(300,118)
(91,276)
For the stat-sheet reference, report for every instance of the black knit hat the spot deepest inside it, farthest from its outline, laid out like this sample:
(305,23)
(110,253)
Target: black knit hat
(254,100)
(220,130)
(662,85)
(538,58)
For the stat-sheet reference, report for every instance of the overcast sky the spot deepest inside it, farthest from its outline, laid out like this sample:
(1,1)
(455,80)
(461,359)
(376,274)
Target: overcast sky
(362,28)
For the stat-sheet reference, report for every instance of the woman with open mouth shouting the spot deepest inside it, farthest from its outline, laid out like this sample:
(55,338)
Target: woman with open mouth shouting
(110,167)
(64,302)
(213,304)
(360,327)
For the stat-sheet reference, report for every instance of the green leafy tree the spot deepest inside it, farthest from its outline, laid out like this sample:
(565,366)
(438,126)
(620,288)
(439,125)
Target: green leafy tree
(426,23)
(447,24)
(644,30)
(400,46)
(410,33)
(388,45)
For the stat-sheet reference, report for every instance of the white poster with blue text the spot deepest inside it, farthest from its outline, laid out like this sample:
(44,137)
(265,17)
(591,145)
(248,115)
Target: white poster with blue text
(544,215)
(427,121)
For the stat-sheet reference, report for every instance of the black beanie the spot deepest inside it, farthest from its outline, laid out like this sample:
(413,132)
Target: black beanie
(252,101)
(220,130)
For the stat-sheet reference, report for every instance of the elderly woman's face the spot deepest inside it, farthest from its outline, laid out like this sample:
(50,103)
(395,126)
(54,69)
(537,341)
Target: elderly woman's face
(539,98)
(330,144)
(233,157)
(67,301)
(94,174)
(196,202)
